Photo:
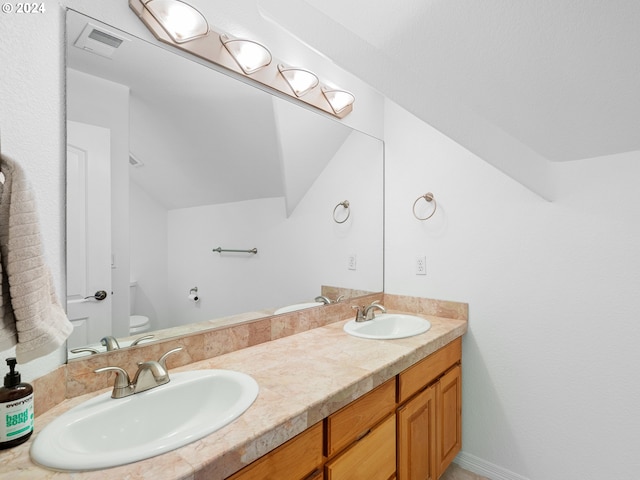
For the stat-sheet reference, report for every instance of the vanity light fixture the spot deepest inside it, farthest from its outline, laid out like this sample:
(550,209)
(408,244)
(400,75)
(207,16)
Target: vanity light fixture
(178,24)
(249,55)
(338,99)
(182,22)
(301,81)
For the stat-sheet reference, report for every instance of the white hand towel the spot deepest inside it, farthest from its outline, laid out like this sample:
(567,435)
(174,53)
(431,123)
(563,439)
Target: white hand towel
(30,315)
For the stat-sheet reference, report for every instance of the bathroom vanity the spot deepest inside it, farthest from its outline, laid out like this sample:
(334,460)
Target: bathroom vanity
(330,406)
(408,427)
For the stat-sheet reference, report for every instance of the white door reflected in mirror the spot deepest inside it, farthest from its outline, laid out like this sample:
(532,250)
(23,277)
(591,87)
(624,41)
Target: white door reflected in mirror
(88,232)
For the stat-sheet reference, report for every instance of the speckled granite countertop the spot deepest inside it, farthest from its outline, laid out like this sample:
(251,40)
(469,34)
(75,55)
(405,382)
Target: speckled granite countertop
(302,378)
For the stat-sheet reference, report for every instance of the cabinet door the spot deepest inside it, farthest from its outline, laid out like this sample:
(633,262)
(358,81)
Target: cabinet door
(449,418)
(373,457)
(295,459)
(416,437)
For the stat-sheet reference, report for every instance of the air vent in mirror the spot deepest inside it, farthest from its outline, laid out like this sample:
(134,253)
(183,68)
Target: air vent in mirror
(98,41)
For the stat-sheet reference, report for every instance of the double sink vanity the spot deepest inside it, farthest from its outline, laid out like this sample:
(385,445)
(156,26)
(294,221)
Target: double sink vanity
(329,402)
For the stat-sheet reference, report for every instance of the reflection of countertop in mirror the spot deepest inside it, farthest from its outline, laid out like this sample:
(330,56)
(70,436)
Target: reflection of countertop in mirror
(180,331)
(302,378)
(339,293)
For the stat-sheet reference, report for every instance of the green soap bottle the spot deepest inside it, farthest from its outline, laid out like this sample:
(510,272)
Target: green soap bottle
(16,409)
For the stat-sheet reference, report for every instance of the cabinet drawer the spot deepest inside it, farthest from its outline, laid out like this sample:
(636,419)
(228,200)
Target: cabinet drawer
(353,421)
(415,378)
(371,458)
(295,459)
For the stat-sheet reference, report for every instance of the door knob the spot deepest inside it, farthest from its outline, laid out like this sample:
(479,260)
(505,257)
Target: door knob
(99,295)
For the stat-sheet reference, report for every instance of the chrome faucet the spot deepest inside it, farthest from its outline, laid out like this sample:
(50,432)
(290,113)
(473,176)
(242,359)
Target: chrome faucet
(110,342)
(323,299)
(327,300)
(150,374)
(368,313)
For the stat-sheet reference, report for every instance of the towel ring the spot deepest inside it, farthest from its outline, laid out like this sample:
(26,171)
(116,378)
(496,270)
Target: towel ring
(344,204)
(429,198)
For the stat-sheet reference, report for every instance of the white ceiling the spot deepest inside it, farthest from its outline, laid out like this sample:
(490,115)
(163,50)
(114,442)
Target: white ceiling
(520,83)
(541,80)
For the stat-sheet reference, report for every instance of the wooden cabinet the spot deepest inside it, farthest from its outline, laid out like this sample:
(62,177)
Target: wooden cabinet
(365,433)
(448,418)
(373,457)
(299,458)
(352,422)
(417,437)
(429,423)
(374,439)
(427,370)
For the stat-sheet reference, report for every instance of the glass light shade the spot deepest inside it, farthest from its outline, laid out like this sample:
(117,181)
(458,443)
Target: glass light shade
(338,99)
(181,21)
(249,55)
(300,81)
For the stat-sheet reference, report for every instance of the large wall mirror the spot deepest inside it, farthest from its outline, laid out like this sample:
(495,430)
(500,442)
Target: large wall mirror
(168,159)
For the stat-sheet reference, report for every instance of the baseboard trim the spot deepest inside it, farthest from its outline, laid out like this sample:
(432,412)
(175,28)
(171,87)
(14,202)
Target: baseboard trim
(484,468)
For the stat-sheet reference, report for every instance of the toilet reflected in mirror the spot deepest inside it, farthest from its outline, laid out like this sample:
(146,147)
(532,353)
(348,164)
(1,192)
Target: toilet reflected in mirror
(138,323)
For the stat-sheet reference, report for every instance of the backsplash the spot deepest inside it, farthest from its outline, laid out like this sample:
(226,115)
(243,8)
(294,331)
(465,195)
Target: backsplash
(78,377)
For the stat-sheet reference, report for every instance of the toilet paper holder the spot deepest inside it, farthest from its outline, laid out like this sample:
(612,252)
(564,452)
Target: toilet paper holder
(193,294)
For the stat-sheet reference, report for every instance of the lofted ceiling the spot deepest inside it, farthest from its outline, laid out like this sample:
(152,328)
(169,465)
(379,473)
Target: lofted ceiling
(519,83)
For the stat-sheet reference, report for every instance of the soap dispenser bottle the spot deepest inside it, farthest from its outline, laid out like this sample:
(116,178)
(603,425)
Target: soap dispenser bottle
(16,409)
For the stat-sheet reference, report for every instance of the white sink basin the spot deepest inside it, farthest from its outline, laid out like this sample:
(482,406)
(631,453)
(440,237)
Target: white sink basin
(105,432)
(297,306)
(388,326)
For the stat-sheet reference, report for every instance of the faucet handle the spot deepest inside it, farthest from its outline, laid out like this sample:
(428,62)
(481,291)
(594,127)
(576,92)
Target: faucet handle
(91,350)
(163,359)
(122,386)
(359,312)
(122,377)
(140,339)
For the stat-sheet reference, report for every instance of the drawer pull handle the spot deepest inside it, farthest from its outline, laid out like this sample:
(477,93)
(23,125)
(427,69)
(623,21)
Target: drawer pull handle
(317,473)
(363,434)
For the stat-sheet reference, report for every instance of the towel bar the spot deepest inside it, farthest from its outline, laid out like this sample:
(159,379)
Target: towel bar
(220,250)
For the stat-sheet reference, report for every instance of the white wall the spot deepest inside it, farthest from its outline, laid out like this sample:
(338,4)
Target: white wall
(549,362)
(149,244)
(31,132)
(296,254)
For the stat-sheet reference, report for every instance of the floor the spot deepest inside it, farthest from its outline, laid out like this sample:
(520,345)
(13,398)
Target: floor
(454,472)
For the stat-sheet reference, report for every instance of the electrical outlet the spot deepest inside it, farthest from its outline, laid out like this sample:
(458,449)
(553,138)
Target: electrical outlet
(421,265)
(351,262)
